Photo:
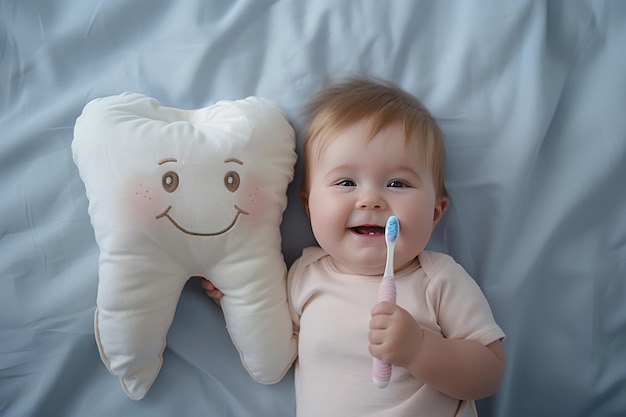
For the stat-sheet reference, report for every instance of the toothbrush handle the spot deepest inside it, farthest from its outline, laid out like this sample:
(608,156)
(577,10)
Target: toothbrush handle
(381,371)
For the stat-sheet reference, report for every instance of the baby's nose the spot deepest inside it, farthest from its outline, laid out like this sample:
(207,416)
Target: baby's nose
(370,200)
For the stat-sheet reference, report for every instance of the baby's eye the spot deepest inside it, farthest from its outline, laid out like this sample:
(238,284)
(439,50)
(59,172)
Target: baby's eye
(345,183)
(397,184)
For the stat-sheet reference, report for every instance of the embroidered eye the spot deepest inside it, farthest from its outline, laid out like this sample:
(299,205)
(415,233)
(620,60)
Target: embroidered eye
(231,181)
(170,181)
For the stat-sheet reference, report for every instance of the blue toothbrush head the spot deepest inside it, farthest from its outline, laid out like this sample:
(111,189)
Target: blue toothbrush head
(392,229)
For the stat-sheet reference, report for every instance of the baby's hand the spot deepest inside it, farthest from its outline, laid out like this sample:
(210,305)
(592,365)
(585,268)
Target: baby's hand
(211,291)
(395,337)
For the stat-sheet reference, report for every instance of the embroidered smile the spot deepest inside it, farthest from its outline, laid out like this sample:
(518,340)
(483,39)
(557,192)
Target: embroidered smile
(165,213)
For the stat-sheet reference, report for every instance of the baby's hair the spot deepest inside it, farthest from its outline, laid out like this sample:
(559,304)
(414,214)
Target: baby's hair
(338,105)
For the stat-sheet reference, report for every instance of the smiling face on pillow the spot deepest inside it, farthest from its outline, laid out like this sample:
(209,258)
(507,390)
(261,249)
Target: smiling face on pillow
(170,182)
(180,193)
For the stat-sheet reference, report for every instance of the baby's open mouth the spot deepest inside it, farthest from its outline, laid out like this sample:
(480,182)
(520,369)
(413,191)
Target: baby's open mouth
(368,230)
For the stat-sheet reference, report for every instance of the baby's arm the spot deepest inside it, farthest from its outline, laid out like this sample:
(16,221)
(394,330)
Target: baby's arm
(463,369)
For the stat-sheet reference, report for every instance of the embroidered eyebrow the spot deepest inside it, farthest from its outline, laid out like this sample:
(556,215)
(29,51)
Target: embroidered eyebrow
(233,160)
(168,160)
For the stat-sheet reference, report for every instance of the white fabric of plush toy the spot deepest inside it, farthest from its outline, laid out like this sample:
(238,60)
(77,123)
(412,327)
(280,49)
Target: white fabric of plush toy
(180,193)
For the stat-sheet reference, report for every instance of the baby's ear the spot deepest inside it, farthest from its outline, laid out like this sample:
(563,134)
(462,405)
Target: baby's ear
(304,200)
(440,207)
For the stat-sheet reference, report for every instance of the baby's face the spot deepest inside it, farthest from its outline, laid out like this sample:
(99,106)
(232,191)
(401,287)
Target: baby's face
(355,186)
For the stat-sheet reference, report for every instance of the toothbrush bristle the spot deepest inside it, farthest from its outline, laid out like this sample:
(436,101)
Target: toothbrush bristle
(392,229)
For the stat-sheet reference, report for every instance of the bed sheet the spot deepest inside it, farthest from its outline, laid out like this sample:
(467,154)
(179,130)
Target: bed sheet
(530,96)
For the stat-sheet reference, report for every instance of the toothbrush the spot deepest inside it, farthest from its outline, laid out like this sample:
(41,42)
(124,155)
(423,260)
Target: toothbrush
(381,371)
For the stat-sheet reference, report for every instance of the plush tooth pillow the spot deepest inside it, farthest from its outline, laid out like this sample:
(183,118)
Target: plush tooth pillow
(180,193)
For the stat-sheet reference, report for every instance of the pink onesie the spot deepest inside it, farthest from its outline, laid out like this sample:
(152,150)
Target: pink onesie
(331,314)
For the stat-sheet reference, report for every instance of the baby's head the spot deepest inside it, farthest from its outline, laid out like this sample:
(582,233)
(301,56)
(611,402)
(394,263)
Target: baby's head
(382,103)
(371,150)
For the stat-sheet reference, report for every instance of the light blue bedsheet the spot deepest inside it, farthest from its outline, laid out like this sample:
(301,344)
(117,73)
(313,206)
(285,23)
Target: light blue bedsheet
(531,96)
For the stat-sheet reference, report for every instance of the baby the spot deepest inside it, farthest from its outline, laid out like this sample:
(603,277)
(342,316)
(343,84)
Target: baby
(371,151)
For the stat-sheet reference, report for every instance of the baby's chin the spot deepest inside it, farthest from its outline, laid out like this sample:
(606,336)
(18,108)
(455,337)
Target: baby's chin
(370,266)
(361,265)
